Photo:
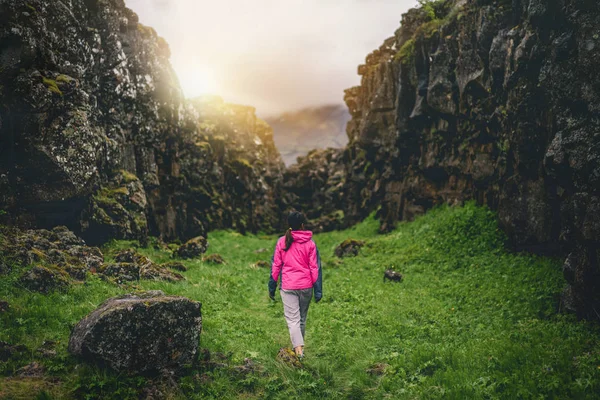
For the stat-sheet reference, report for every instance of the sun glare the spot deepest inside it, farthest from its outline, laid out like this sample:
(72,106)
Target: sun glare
(197,81)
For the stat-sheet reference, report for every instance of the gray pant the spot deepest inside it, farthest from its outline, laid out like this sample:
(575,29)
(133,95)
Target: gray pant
(295,309)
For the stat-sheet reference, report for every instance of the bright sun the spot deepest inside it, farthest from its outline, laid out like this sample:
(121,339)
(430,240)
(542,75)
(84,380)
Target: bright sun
(197,81)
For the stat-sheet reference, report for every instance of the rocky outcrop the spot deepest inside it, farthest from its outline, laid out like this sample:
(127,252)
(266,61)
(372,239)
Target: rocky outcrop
(315,186)
(130,266)
(95,133)
(298,133)
(58,255)
(495,101)
(52,260)
(140,333)
(241,186)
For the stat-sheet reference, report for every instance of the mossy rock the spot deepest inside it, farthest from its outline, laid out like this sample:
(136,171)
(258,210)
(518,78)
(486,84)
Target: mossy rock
(176,265)
(288,357)
(193,248)
(140,333)
(349,248)
(213,259)
(128,177)
(45,279)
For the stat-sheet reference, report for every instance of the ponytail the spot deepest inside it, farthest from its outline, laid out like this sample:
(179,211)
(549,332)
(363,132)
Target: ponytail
(289,239)
(296,220)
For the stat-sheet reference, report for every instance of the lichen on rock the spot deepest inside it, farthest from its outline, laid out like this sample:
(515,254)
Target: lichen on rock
(137,333)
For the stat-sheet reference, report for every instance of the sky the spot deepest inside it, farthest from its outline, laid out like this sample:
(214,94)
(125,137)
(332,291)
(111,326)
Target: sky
(275,55)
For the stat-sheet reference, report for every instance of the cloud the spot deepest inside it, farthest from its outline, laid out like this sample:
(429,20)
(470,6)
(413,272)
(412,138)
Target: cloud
(277,55)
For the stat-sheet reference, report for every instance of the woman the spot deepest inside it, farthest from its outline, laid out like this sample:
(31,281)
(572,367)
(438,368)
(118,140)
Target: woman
(296,260)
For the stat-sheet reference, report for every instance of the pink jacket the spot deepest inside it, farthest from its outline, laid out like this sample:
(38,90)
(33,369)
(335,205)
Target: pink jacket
(298,266)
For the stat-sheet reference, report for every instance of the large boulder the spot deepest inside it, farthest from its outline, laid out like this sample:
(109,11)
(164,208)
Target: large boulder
(140,333)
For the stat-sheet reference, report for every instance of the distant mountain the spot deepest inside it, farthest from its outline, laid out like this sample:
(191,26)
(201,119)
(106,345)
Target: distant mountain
(296,133)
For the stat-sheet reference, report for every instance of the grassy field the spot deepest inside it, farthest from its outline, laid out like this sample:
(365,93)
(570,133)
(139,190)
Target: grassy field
(469,321)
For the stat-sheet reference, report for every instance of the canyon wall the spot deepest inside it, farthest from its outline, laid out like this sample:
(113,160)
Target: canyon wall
(496,101)
(95,132)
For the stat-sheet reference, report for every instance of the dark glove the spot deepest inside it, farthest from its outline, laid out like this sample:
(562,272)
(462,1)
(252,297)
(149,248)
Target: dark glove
(317,299)
(272,295)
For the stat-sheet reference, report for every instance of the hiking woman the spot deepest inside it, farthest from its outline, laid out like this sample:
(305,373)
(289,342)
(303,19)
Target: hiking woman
(297,262)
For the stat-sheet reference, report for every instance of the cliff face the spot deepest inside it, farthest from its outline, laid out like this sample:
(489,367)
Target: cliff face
(496,101)
(95,133)
(315,186)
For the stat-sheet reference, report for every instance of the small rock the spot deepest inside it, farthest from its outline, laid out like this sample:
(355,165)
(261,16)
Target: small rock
(176,265)
(90,257)
(262,264)
(213,259)
(47,349)
(137,333)
(132,256)
(7,350)
(378,369)
(44,279)
(193,248)
(125,272)
(289,357)
(349,248)
(67,238)
(77,272)
(33,370)
(392,275)
(260,251)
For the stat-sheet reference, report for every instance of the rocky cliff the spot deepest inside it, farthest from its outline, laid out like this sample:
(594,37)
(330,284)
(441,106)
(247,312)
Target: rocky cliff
(496,101)
(315,186)
(95,133)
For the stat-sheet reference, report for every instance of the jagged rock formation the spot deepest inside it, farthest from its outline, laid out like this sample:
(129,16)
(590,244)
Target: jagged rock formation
(315,186)
(495,101)
(297,133)
(95,133)
(139,333)
(241,186)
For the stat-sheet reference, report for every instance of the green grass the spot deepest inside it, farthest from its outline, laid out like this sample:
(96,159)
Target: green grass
(469,321)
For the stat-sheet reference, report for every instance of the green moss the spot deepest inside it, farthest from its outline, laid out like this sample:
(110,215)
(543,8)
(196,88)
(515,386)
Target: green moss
(406,54)
(52,85)
(64,78)
(241,162)
(203,145)
(430,28)
(435,9)
(504,146)
(140,220)
(106,198)
(128,176)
